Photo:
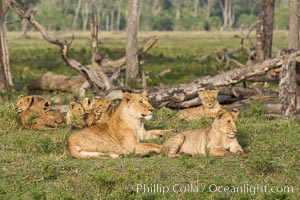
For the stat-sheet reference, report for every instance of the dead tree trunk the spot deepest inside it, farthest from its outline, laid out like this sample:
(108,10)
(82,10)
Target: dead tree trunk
(132,64)
(6,84)
(287,88)
(24,29)
(288,80)
(264,33)
(3,80)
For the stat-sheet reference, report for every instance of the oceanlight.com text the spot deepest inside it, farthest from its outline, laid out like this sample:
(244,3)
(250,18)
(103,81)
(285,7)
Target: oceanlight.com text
(211,188)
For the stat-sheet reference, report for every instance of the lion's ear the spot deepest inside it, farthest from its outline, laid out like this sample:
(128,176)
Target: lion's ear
(221,113)
(47,104)
(72,103)
(29,99)
(215,92)
(144,94)
(201,92)
(235,113)
(126,96)
(86,101)
(20,96)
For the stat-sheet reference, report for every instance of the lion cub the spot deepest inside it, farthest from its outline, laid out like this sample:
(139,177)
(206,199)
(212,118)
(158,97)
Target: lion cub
(75,116)
(219,139)
(33,113)
(95,109)
(210,106)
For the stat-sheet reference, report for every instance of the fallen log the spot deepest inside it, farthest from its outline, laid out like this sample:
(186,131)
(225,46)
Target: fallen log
(227,95)
(55,82)
(169,96)
(271,106)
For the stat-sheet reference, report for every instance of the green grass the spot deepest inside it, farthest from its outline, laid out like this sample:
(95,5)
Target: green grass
(34,164)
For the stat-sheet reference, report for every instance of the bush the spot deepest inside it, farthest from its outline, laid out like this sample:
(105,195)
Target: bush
(246,20)
(215,22)
(164,23)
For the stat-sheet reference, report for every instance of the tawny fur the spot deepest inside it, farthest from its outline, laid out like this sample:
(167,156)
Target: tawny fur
(75,115)
(32,115)
(209,108)
(119,136)
(219,140)
(95,109)
(24,102)
(148,135)
(55,116)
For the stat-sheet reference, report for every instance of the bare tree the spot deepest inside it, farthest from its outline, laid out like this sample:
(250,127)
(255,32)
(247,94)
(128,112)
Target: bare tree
(196,5)
(207,7)
(119,7)
(288,82)
(177,4)
(6,84)
(264,33)
(293,25)
(228,13)
(76,14)
(132,64)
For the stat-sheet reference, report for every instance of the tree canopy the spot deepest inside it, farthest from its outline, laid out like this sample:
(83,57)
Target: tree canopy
(153,14)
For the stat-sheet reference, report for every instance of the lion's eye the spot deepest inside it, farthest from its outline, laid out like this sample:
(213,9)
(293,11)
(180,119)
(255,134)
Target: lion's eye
(141,102)
(229,122)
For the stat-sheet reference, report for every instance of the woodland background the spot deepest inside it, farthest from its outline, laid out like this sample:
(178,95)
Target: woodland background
(166,15)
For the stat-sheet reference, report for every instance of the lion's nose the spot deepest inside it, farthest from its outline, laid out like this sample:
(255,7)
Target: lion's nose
(151,109)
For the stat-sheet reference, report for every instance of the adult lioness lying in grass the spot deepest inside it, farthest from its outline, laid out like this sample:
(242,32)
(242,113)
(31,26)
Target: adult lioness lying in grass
(121,135)
(101,110)
(209,108)
(220,139)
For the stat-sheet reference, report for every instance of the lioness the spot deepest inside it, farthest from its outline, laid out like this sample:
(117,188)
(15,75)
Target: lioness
(75,115)
(210,106)
(119,136)
(220,139)
(109,111)
(32,115)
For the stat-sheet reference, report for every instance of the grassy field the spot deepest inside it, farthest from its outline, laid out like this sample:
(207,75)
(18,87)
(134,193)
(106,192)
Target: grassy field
(34,164)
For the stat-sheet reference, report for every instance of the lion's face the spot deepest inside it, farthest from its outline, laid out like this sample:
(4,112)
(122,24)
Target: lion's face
(99,105)
(226,122)
(138,105)
(208,97)
(24,102)
(77,109)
